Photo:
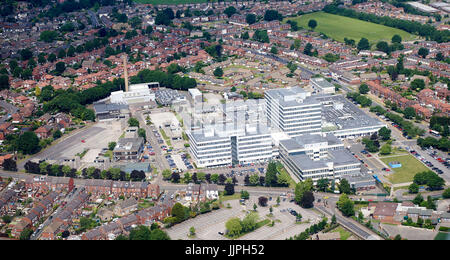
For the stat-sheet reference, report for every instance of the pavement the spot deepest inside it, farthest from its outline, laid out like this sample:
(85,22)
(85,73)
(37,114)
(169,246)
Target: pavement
(208,225)
(10,109)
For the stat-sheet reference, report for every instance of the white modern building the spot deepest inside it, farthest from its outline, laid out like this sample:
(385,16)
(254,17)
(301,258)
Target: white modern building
(293,111)
(137,93)
(317,157)
(322,86)
(196,95)
(228,144)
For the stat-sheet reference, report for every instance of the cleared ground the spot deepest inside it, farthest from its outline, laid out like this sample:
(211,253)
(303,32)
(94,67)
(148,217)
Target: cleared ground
(340,27)
(95,138)
(410,167)
(160,119)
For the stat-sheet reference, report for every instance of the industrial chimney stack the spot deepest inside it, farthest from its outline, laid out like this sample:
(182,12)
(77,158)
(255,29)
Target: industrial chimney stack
(125,72)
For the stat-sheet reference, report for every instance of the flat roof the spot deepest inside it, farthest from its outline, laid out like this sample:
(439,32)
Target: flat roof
(345,115)
(337,157)
(292,97)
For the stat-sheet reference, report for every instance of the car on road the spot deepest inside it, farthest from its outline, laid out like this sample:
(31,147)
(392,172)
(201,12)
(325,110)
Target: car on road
(220,233)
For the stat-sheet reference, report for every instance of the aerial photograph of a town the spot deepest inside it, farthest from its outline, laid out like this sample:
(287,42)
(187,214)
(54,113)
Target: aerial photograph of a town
(226,120)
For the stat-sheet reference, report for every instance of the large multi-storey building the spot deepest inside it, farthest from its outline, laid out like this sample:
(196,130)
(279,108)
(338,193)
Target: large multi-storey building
(228,144)
(317,157)
(293,111)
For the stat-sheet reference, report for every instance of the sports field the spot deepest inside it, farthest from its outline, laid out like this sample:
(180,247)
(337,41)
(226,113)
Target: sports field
(410,167)
(340,27)
(169,2)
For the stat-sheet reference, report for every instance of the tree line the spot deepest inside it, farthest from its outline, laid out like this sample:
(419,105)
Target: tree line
(44,168)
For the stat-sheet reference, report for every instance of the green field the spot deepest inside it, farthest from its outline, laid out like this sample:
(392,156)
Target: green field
(410,166)
(169,2)
(340,27)
(442,236)
(343,232)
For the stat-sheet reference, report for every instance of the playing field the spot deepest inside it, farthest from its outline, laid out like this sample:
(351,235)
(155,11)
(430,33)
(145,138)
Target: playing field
(169,2)
(340,27)
(410,166)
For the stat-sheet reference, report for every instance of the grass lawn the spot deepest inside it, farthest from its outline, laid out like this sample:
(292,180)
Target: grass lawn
(343,232)
(395,151)
(340,27)
(169,2)
(442,236)
(282,171)
(410,166)
(235,196)
(145,204)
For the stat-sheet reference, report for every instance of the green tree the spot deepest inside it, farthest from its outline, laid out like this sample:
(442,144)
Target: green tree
(308,49)
(274,50)
(446,194)
(245,195)
(297,44)
(307,200)
(363,44)
(133,122)
(142,133)
(271,174)
(178,212)
(166,174)
(192,231)
(28,143)
(418,199)
(234,227)
(4,82)
(249,222)
(384,133)
(413,188)
(229,11)
(345,205)
(301,188)
(271,15)
(383,46)
(344,187)
(60,67)
(26,234)
(396,39)
(322,184)
(111,145)
(57,134)
(363,89)
(229,189)
(48,36)
(218,72)
(423,52)
(250,18)
(312,24)
(385,149)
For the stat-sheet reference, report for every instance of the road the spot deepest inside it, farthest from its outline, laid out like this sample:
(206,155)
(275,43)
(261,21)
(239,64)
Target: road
(330,210)
(48,221)
(10,109)
(159,160)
